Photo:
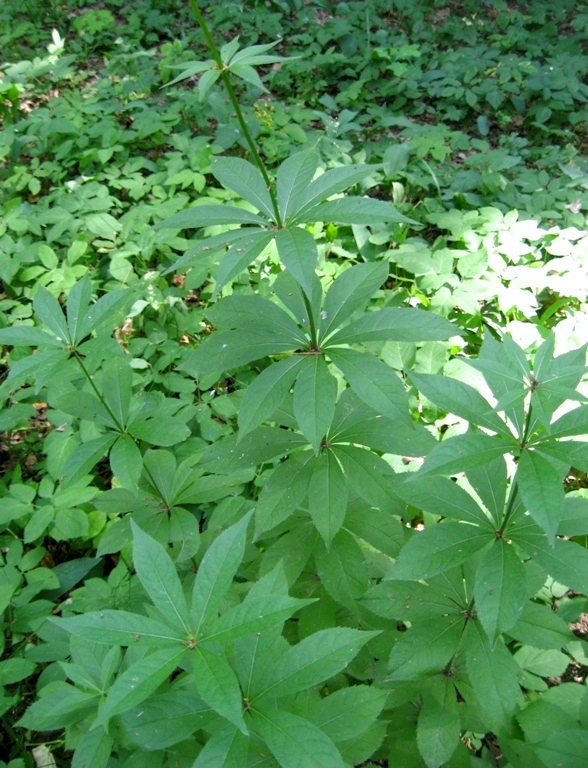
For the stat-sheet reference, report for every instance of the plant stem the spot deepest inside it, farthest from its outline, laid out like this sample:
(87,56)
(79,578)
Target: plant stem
(513,487)
(312,326)
(224,73)
(120,427)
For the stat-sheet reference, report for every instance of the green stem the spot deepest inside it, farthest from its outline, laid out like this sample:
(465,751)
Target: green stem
(224,73)
(513,488)
(120,427)
(312,326)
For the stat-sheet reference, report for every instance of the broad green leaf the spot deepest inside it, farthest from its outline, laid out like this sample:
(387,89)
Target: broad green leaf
(294,176)
(564,749)
(346,713)
(409,600)
(460,399)
(158,575)
(158,430)
(62,705)
(541,489)
(438,548)
(574,422)
(107,311)
(257,314)
(294,741)
(541,627)
(573,453)
(330,183)
(499,589)
(574,519)
(203,250)
(160,470)
(288,290)
(167,719)
(426,648)
(218,686)
(396,159)
(374,382)
(257,447)
(85,457)
(246,180)
(356,210)
(351,291)
(327,496)
(490,483)
(393,324)
(284,492)
(369,475)
(438,728)
(240,256)
(380,529)
(252,54)
(232,349)
(297,251)
(210,215)
(248,74)
(520,753)
(206,81)
(216,571)
(342,569)
(441,496)
(191,68)
(126,462)
(225,747)
(312,661)
(78,301)
(85,405)
(493,674)
(117,381)
(48,309)
(120,628)
(93,750)
(27,336)
(254,615)
(463,452)
(543,663)
(266,393)
(565,561)
(139,681)
(315,392)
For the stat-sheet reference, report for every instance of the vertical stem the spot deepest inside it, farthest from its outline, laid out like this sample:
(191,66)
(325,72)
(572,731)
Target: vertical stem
(120,427)
(224,73)
(312,326)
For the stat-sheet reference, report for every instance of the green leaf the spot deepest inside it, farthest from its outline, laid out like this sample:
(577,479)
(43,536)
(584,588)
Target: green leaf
(266,393)
(438,727)
(369,475)
(218,686)
(93,750)
(426,648)
(257,447)
(409,600)
(565,561)
(283,493)
(255,313)
(349,292)
(117,381)
(346,713)
(460,399)
(312,661)
(191,68)
(232,349)
(441,496)
(158,430)
(78,301)
(107,311)
(342,569)
(541,489)
(297,251)
(27,336)
(225,747)
(85,457)
(216,571)
(210,215)
(574,422)
(315,392)
(490,483)
(249,75)
(329,183)
(356,210)
(239,256)
(493,674)
(58,708)
(438,548)
(157,573)
(565,749)
(327,496)
(139,681)
(392,324)
(294,176)
(499,589)
(206,81)
(541,627)
(120,628)
(463,452)
(395,159)
(374,382)
(48,309)
(294,741)
(246,180)
(166,719)
(126,462)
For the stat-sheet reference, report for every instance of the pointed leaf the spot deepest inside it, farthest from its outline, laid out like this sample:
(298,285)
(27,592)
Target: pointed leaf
(441,496)
(120,628)
(351,291)
(246,180)
(356,210)
(255,313)
(315,392)
(565,561)
(499,589)
(85,457)
(78,301)
(327,496)
(346,713)
(374,382)
(493,674)
(297,251)
(294,741)
(284,492)
(438,548)
(158,575)
(329,183)
(225,747)
(438,727)
(191,68)
(216,571)
(126,462)
(294,176)
(117,381)
(218,686)
(541,627)
(342,569)
(574,422)
(463,452)
(94,750)
(490,483)
(313,660)
(541,490)
(27,336)
(369,475)
(392,324)
(426,648)
(232,349)
(210,215)
(108,310)
(266,393)
(48,309)
(239,257)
